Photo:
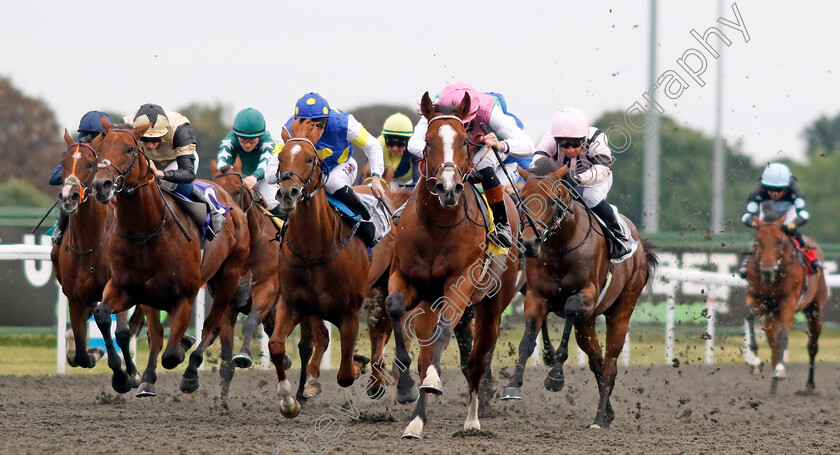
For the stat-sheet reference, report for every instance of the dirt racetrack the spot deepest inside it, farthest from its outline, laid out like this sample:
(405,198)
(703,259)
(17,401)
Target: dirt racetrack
(659,410)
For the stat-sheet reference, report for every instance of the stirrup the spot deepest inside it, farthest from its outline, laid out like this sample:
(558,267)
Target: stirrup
(502,236)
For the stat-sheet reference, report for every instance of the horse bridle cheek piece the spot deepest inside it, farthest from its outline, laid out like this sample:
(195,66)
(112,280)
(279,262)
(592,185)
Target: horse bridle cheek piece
(119,180)
(290,175)
(553,225)
(431,178)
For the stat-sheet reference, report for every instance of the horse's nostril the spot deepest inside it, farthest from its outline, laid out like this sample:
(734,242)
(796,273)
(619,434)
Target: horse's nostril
(459,188)
(294,193)
(438,188)
(74,197)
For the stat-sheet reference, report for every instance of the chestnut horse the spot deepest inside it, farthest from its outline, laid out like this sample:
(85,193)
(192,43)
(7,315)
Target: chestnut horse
(80,261)
(263,288)
(779,286)
(325,270)
(567,273)
(438,263)
(156,259)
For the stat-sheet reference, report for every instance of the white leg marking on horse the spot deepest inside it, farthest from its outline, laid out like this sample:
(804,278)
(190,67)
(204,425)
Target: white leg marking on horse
(285,388)
(432,378)
(414,430)
(780,371)
(472,414)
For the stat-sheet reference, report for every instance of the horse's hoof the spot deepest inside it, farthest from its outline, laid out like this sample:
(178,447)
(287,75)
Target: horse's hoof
(287,362)
(135,380)
(376,393)
(312,389)
(756,370)
(242,361)
(554,384)
(187,342)
(290,408)
(414,430)
(511,393)
(472,425)
(410,395)
(95,354)
(189,385)
(120,383)
(432,384)
(595,426)
(146,389)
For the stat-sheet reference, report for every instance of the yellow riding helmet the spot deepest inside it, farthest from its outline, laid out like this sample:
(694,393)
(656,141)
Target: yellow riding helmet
(154,114)
(398,125)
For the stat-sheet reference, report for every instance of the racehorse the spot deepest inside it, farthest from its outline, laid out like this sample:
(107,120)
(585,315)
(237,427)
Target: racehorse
(80,261)
(325,269)
(156,259)
(779,286)
(260,275)
(439,266)
(568,273)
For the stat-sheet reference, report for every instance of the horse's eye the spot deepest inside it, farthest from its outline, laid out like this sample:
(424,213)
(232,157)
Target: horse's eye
(309,160)
(90,166)
(130,149)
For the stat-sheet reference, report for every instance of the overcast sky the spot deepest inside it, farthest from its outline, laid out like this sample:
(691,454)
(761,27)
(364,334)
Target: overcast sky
(115,56)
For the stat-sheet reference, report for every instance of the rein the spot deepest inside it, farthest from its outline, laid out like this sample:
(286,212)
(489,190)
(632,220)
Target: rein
(290,175)
(242,186)
(552,227)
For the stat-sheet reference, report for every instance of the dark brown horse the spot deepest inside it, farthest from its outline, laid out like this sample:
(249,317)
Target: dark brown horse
(779,287)
(154,263)
(80,261)
(258,297)
(567,272)
(438,266)
(325,270)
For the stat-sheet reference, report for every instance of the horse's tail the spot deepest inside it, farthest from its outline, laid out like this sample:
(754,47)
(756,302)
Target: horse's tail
(652,258)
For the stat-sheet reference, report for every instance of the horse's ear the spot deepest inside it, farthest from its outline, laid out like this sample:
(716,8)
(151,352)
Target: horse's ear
(779,221)
(285,135)
(139,131)
(105,124)
(97,140)
(427,108)
(67,138)
(214,170)
(237,166)
(464,108)
(523,173)
(560,173)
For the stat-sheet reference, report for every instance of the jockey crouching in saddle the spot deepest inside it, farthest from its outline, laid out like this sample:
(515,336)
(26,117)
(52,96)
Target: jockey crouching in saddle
(778,195)
(250,141)
(584,149)
(487,123)
(90,126)
(401,169)
(170,145)
(336,131)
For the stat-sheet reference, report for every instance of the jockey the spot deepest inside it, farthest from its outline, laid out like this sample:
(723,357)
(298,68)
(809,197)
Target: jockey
(338,130)
(777,195)
(253,145)
(401,169)
(90,126)
(170,145)
(487,123)
(585,151)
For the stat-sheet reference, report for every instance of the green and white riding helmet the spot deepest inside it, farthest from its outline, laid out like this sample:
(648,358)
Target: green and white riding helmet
(249,122)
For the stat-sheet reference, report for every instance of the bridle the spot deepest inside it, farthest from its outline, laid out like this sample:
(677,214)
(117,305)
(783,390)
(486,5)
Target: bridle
(291,175)
(242,187)
(544,230)
(431,178)
(119,179)
(72,179)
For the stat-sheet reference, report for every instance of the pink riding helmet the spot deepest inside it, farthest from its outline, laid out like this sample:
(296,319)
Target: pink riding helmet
(481,104)
(570,122)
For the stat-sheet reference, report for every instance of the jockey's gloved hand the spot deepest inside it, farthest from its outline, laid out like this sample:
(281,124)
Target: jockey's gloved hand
(788,228)
(572,179)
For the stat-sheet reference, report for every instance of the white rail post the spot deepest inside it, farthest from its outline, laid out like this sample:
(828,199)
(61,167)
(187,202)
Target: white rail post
(61,360)
(669,320)
(625,351)
(265,361)
(200,301)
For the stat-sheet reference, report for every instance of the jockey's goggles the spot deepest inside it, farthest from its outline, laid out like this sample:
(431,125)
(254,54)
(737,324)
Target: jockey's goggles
(151,139)
(568,142)
(396,141)
(248,140)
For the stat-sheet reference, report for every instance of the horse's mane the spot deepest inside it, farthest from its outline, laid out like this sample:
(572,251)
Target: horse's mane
(544,167)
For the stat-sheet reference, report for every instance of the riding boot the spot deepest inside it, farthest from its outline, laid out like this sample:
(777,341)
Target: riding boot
(814,265)
(367,232)
(618,249)
(502,234)
(348,197)
(60,227)
(217,217)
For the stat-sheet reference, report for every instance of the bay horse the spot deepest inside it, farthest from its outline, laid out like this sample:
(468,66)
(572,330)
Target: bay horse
(258,296)
(779,287)
(156,259)
(80,262)
(325,269)
(567,273)
(437,268)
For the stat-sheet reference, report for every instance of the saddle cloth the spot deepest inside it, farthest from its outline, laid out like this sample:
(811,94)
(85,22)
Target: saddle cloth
(378,214)
(198,210)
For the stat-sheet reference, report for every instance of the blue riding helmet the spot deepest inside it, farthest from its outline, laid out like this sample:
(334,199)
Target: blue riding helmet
(312,105)
(92,122)
(776,175)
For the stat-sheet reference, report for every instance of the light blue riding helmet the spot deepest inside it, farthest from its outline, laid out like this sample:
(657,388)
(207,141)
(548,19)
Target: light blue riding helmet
(776,175)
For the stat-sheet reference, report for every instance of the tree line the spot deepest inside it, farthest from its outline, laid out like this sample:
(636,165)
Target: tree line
(30,145)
